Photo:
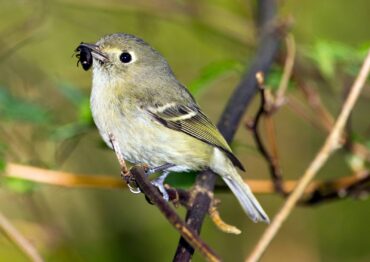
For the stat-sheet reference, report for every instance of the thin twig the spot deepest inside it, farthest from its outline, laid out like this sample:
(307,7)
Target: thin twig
(268,106)
(314,100)
(253,126)
(288,69)
(332,143)
(297,107)
(217,220)
(19,240)
(357,187)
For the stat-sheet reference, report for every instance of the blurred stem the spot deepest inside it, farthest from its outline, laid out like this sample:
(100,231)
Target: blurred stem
(288,69)
(19,240)
(73,180)
(60,178)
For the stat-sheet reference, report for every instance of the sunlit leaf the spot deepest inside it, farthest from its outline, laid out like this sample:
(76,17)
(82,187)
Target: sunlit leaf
(13,108)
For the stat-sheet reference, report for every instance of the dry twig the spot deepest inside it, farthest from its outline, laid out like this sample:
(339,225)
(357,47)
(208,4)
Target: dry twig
(217,220)
(332,143)
(253,126)
(288,69)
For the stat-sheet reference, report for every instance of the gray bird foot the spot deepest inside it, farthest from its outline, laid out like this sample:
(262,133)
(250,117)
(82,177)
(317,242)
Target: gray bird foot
(162,168)
(158,183)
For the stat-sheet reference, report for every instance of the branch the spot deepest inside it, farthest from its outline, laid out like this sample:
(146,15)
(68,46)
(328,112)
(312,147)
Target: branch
(253,126)
(231,117)
(19,240)
(61,178)
(138,181)
(156,198)
(287,73)
(354,186)
(332,143)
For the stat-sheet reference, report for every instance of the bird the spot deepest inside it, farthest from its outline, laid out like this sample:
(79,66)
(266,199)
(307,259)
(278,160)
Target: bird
(136,98)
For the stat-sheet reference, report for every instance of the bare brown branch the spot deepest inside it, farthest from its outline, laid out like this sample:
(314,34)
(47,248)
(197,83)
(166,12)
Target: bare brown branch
(253,126)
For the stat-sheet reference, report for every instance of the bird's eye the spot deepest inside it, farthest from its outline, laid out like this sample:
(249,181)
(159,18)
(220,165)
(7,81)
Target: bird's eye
(125,57)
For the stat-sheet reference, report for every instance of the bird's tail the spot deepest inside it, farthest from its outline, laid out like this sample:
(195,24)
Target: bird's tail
(246,198)
(223,166)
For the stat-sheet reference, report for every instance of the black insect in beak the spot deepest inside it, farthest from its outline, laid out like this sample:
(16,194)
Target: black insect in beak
(86,53)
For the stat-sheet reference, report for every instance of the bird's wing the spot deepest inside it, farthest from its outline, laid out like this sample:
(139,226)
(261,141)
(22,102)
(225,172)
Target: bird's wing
(190,120)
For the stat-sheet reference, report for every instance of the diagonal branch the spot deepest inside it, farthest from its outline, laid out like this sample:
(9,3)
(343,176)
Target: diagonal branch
(332,143)
(186,232)
(268,47)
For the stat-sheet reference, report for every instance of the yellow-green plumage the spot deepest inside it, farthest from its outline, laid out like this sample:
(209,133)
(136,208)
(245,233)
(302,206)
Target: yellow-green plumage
(154,118)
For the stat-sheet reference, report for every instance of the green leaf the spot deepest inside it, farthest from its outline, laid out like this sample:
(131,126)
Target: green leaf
(13,108)
(213,72)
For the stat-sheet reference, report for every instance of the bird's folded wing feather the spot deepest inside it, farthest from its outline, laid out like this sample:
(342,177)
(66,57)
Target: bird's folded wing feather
(190,120)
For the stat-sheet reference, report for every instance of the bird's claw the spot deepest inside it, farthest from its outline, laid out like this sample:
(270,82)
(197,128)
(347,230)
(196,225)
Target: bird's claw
(159,183)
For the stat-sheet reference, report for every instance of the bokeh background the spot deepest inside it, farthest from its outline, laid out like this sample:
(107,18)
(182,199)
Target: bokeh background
(45,122)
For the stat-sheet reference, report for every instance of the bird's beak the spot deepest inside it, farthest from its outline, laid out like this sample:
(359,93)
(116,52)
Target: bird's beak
(95,51)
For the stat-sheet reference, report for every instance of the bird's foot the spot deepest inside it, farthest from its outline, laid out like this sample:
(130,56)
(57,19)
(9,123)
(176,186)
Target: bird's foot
(152,170)
(158,183)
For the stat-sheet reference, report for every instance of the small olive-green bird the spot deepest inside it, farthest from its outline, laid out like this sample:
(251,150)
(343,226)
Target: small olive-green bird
(154,119)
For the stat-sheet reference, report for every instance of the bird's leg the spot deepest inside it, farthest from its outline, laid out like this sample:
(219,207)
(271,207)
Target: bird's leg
(157,169)
(158,183)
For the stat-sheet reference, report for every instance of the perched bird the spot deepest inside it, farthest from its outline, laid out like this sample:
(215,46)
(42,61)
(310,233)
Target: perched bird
(153,117)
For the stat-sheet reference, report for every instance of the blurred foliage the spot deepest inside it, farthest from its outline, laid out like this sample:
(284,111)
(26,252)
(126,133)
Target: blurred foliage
(19,185)
(2,156)
(12,108)
(46,121)
(329,55)
(212,73)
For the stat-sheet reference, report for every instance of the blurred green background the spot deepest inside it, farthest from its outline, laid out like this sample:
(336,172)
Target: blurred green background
(45,122)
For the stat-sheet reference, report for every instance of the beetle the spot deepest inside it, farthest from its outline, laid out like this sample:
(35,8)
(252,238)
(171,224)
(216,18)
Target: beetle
(84,56)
